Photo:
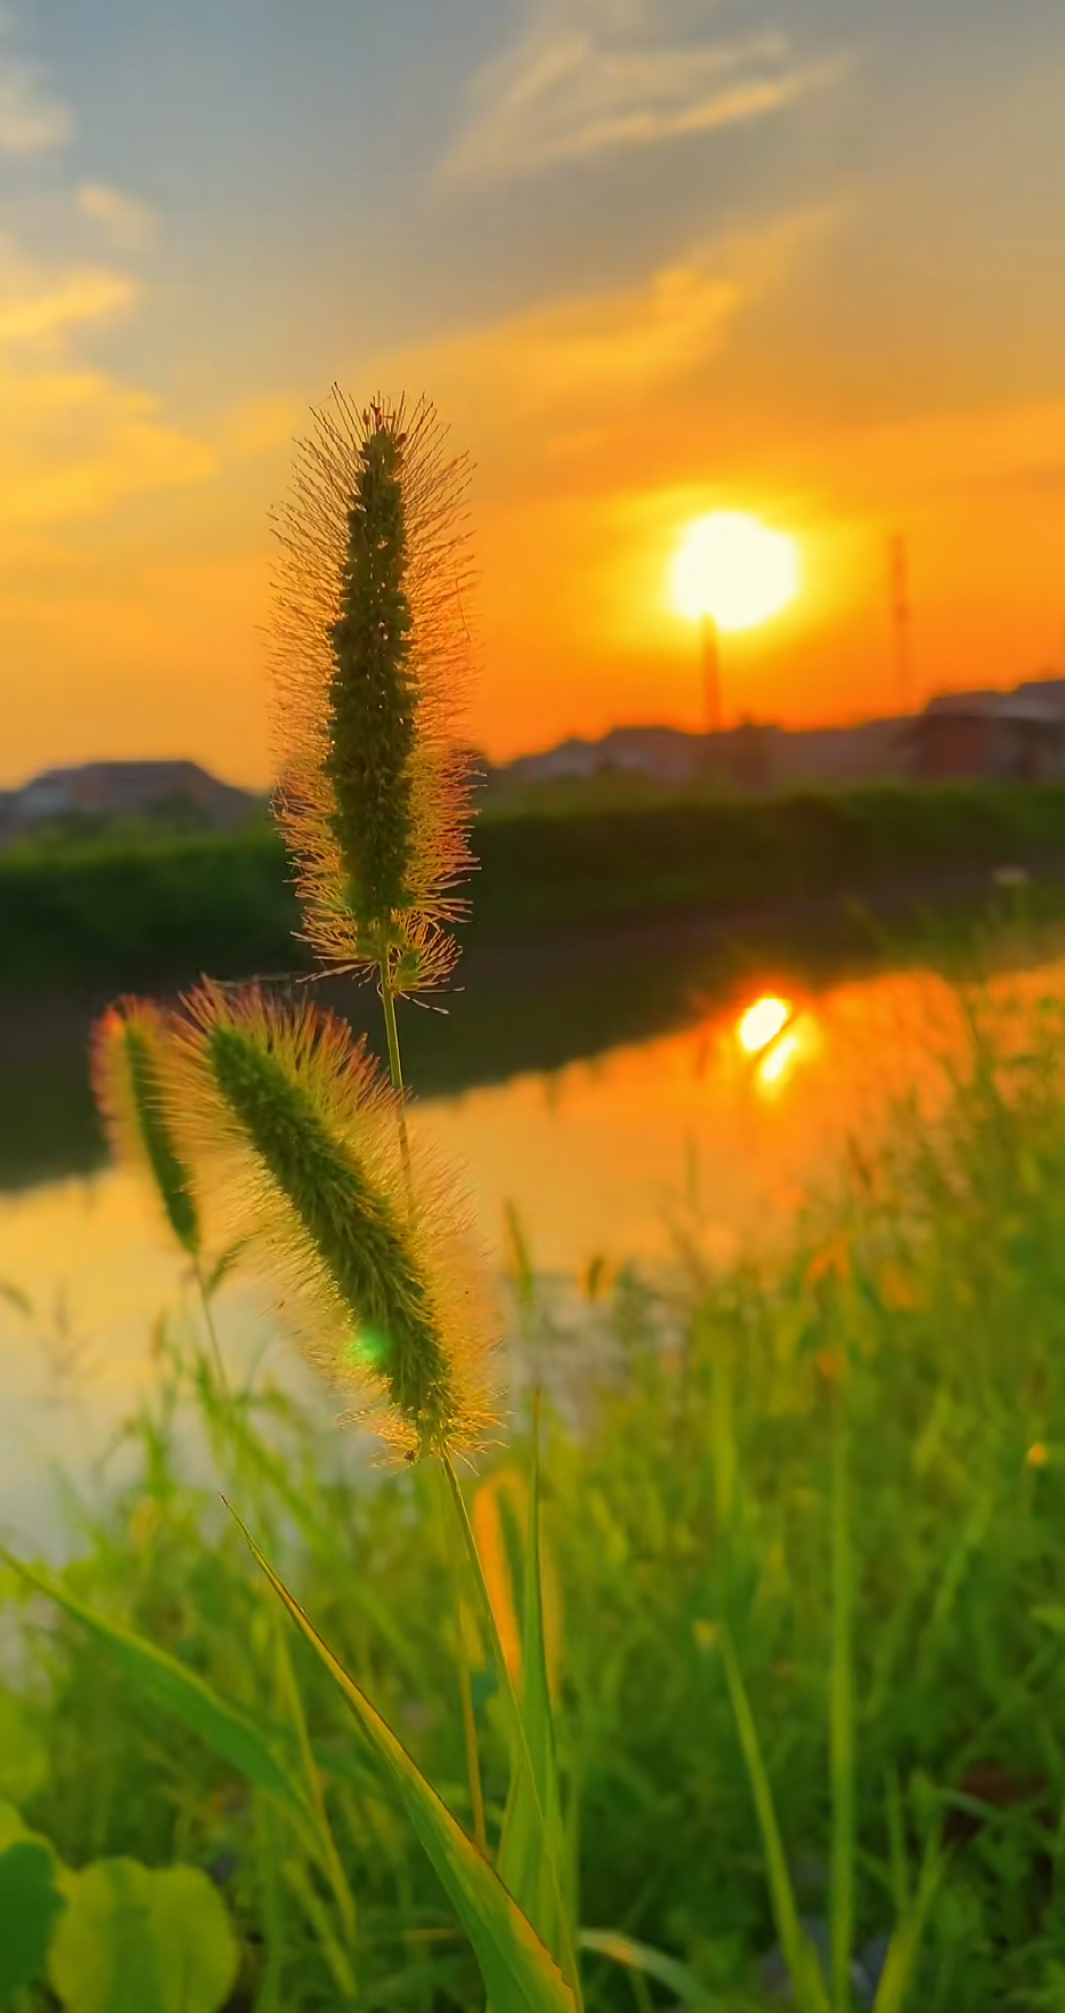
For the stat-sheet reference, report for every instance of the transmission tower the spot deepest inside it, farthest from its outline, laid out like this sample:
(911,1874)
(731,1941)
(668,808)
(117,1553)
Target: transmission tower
(711,656)
(899,579)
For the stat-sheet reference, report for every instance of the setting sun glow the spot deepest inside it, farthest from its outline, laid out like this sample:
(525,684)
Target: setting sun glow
(734,569)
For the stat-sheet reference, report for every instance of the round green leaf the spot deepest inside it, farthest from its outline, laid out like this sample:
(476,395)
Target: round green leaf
(136,1941)
(29,1905)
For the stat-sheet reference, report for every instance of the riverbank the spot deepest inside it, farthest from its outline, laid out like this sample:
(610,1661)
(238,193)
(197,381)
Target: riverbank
(103,915)
(550,999)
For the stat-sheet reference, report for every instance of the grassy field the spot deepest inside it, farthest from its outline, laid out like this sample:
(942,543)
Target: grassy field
(113,914)
(837,1480)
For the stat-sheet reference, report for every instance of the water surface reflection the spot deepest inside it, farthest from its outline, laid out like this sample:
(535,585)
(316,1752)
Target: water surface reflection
(728,1122)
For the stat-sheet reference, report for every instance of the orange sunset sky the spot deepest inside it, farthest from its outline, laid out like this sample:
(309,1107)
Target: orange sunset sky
(651,258)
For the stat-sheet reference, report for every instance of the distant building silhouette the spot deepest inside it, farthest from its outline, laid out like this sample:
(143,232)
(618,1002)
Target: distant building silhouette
(753,756)
(1012,736)
(175,792)
(1016,736)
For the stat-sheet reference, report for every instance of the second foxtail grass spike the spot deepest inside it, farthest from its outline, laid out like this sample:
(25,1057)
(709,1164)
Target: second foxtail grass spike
(129,1059)
(292,1131)
(131,1055)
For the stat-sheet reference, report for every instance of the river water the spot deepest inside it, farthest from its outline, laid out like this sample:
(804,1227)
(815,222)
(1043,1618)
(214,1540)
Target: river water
(718,1120)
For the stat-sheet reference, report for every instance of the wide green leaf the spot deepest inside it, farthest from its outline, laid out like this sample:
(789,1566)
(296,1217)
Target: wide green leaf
(189,1698)
(519,1973)
(136,1941)
(30,1903)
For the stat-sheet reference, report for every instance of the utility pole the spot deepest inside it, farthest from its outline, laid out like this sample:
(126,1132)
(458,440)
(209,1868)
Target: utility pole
(899,580)
(711,673)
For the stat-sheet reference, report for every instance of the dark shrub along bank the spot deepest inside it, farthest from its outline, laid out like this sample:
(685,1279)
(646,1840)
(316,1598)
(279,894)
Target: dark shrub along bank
(115,916)
(118,915)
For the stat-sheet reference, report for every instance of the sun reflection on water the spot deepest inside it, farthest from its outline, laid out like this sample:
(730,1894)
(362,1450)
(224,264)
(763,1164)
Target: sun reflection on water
(775,1036)
(762,1023)
(775,1065)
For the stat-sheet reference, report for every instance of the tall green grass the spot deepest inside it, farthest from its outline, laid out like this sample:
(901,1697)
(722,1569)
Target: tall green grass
(803,1527)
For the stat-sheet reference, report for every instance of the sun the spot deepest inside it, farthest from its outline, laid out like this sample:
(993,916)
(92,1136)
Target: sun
(734,569)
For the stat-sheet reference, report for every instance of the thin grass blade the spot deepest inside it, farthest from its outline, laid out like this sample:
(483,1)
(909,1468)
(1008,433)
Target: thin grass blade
(799,1955)
(523,1865)
(187,1697)
(841,1718)
(331,1862)
(519,1973)
(656,1964)
(252,1449)
(904,1949)
(520,1758)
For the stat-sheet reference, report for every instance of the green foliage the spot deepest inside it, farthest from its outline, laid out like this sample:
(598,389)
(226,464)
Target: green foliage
(122,915)
(518,1971)
(114,1938)
(647,1963)
(810,1695)
(135,1941)
(117,915)
(802,1961)
(31,1902)
(180,1692)
(23,1750)
(533,1816)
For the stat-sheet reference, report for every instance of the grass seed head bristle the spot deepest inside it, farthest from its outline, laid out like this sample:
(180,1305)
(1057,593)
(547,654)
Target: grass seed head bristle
(130,1057)
(371,655)
(291,1123)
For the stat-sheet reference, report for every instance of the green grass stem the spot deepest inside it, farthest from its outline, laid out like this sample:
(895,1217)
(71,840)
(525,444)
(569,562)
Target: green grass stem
(395,1066)
(841,1712)
(521,1758)
(799,1955)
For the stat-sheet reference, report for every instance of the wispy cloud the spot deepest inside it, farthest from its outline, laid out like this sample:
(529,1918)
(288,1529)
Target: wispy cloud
(31,119)
(77,443)
(589,359)
(126,223)
(76,440)
(620,342)
(590,77)
(38,307)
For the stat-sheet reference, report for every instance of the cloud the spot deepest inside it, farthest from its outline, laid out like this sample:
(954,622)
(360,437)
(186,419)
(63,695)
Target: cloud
(44,311)
(127,224)
(589,78)
(76,440)
(577,369)
(77,443)
(31,120)
(622,342)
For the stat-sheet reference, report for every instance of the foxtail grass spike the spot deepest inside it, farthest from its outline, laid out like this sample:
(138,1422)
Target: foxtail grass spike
(291,1125)
(371,655)
(130,1056)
